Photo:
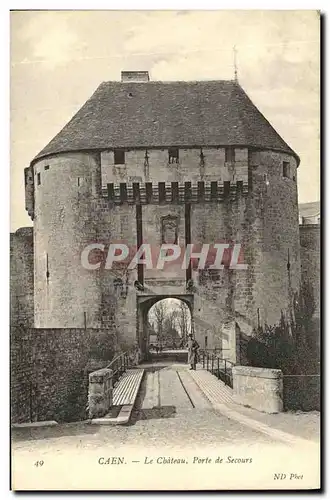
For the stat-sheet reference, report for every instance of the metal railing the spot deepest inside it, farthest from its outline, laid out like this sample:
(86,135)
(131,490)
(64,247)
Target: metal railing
(119,365)
(213,362)
(214,350)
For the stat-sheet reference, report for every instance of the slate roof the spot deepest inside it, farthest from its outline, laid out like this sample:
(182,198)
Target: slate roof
(162,114)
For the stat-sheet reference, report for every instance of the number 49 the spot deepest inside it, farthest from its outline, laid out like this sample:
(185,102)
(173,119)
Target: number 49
(39,463)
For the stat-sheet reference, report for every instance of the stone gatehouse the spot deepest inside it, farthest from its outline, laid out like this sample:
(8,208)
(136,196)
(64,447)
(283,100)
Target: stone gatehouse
(164,162)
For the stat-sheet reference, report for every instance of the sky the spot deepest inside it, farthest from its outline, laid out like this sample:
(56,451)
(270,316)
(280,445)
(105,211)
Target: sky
(59,58)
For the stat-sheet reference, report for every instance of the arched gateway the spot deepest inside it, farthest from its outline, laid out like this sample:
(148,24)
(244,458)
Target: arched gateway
(165,163)
(146,305)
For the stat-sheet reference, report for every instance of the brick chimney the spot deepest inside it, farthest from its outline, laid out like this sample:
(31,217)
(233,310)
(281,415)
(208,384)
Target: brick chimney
(135,76)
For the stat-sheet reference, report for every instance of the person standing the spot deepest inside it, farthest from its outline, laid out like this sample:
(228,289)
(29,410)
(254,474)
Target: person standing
(192,352)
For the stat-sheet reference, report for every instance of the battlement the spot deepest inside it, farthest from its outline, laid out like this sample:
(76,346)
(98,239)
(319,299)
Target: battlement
(173,192)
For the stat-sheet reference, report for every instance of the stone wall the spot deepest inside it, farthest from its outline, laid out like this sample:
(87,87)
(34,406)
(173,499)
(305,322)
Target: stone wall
(152,165)
(65,292)
(21,375)
(21,277)
(274,235)
(268,390)
(259,388)
(50,368)
(100,393)
(264,221)
(310,260)
(224,293)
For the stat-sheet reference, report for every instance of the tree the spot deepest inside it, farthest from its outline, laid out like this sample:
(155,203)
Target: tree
(183,320)
(288,345)
(170,331)
(170,317)
(159,311)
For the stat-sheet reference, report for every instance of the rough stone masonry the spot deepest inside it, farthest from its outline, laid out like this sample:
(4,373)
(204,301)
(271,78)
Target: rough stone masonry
(164,162)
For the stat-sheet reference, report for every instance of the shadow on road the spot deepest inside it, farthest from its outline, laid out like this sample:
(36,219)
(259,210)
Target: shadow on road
(152,413)
(71,429)
(157,412)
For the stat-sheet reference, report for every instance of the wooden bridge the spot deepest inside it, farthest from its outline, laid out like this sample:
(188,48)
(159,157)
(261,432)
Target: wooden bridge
(165,381)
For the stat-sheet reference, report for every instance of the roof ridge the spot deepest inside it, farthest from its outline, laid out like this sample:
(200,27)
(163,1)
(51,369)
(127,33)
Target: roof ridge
(150,82)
